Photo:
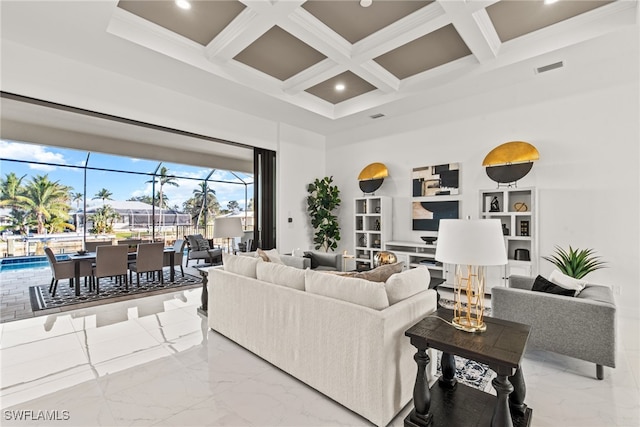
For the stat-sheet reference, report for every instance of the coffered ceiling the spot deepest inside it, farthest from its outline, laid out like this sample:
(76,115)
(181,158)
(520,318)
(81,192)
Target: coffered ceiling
(337,58)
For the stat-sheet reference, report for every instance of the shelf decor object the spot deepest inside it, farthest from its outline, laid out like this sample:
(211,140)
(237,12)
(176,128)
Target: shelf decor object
(372,177)
(470,245)
(383,258)
(509,162)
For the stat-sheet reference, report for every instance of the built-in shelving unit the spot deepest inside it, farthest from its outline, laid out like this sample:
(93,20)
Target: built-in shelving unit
(417,253)
(516,208)
(373,228)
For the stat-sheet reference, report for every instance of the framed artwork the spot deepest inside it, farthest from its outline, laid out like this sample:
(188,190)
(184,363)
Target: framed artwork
(438,180)
(426,216)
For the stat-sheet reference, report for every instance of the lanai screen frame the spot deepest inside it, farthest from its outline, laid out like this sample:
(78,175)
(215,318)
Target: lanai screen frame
(153,174)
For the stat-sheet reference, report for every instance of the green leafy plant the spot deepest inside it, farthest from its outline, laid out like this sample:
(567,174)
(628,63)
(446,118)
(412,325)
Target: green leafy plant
(323,199)
(576,263)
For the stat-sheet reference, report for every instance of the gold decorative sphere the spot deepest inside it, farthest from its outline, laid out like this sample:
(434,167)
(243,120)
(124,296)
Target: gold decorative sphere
(384,257)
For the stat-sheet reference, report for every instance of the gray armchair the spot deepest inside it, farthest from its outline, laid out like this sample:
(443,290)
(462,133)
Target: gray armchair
(199,248)
(324,261)
(583,327)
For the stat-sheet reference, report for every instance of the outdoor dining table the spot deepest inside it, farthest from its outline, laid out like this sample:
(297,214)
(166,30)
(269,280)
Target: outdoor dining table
(91,256)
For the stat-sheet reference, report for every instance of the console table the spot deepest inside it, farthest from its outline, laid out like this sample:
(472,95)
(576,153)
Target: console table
(448,403)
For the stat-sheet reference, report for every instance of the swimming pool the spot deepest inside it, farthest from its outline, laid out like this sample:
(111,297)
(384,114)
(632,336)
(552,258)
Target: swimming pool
(24,262)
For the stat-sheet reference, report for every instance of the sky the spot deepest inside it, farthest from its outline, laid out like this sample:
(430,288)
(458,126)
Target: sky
(122,185)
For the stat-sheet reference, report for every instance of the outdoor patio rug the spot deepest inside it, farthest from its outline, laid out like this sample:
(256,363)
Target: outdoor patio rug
(41,299)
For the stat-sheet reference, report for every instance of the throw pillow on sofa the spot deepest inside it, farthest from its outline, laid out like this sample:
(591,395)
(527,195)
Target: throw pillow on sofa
(280,274)
(242,265)
(381,273)
(567,282)
(543,285)
(271,255)
(356,291)
(408,283)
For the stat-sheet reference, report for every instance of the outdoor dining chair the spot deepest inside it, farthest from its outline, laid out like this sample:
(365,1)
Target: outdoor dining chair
(111,261)
(178,248)
(150,259)
(65,270)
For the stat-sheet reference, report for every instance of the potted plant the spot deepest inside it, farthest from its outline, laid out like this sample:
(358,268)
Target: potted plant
(576,263)
(323,199)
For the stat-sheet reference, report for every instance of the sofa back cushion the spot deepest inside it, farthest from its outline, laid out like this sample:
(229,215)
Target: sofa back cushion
(242,265)
(408,283)
(280,274)
(356,291)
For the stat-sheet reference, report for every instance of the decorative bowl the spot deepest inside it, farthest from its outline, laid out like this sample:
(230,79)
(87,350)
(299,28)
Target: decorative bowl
(82,252)
(429,240)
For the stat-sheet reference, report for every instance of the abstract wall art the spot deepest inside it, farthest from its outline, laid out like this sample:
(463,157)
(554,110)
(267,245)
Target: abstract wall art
(438,180)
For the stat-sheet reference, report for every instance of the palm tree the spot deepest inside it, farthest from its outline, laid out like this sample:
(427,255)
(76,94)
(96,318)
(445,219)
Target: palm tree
(10,188)
(163,179)
(77,198)
(207,199)
(45,199)
(103,194)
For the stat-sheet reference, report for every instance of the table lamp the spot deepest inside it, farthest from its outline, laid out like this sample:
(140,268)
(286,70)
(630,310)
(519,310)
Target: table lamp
(470,245)
(227,228)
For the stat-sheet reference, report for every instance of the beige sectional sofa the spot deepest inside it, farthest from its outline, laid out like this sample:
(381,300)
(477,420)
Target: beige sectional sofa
(301,322)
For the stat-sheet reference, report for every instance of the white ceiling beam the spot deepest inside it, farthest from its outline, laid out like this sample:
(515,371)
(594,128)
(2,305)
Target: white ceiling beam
(407,29)
(475,28)
(313,75)
(255,20)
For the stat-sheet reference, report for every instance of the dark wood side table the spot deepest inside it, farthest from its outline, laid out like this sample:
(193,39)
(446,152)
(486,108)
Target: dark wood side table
(204,298)
(449,403)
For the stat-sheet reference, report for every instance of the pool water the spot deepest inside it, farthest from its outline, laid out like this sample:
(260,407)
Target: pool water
(24,262)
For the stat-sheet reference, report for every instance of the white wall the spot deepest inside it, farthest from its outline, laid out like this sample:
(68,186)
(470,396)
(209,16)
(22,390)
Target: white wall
(584,122)
(301,159)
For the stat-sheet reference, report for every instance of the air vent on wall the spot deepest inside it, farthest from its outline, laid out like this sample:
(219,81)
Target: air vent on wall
(377,116)
(549,67)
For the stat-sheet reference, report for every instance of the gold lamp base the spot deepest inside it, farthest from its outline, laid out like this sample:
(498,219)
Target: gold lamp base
(467,325)
(468,308)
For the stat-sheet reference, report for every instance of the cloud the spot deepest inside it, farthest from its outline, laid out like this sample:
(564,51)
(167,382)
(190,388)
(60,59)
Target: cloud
(28,152)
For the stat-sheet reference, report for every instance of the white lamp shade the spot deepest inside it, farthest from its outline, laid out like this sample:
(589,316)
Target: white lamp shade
(227,227)
(471,242)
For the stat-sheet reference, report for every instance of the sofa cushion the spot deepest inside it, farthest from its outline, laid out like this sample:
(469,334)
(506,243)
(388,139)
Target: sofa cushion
(356,291)
(280,274)
(408,283)
(242,265)
(271,255)
(543,285)
(567,282)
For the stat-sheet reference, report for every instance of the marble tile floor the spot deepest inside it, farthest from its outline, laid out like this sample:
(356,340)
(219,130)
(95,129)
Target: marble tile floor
(153,362)
(15,303)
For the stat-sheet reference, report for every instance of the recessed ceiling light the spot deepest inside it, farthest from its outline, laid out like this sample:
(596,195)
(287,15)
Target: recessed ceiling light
(550,1)
(365,3)
(340,87)
(183,4)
